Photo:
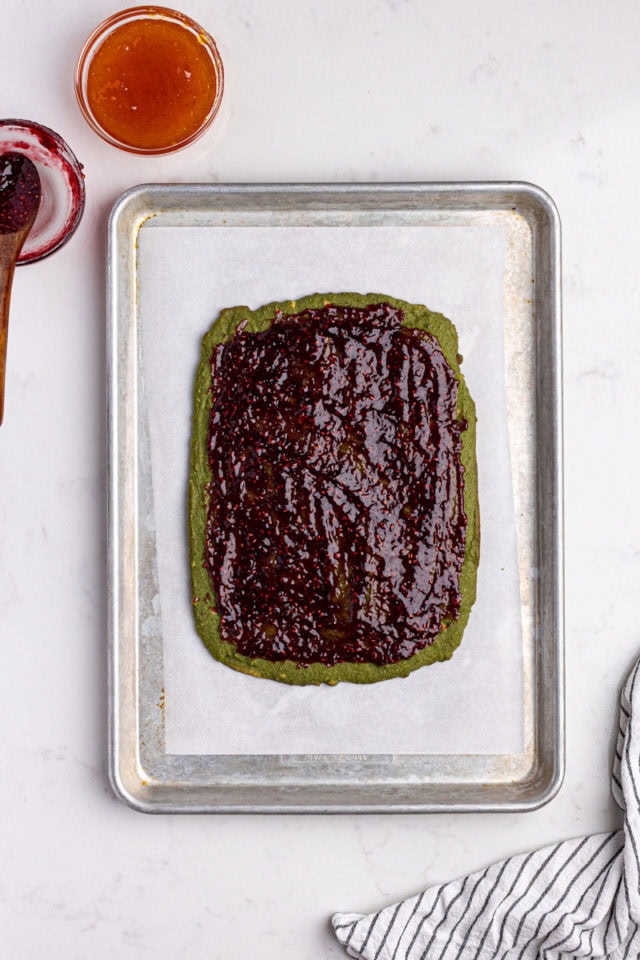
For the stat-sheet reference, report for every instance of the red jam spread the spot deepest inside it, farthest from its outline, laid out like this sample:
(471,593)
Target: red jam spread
(336,525)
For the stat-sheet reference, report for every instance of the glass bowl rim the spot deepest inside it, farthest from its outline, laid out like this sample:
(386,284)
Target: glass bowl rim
(105,29)
(76,169)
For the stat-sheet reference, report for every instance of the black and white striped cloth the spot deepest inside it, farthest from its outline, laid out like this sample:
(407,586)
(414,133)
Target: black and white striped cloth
(579,898)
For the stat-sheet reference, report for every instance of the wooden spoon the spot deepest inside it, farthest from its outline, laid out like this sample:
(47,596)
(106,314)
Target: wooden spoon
(20,192)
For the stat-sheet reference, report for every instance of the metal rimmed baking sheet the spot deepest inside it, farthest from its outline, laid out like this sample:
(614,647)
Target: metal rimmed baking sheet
(152,229)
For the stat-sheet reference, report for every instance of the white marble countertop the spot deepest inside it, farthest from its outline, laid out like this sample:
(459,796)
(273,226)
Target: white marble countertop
(356,90)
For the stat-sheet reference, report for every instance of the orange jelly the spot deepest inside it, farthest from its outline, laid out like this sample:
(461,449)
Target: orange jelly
(152,83)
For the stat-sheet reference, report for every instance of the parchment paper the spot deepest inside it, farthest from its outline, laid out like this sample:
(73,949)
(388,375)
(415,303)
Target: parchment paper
(474,702)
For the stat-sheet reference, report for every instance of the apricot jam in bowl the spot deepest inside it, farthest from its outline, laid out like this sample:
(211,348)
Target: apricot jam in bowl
(149,80)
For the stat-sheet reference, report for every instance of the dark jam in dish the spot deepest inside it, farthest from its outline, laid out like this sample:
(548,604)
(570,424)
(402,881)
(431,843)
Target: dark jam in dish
(19,192)
(336,524)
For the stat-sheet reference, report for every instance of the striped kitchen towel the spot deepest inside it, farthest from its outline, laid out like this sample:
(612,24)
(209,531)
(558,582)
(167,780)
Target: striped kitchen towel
(579,898)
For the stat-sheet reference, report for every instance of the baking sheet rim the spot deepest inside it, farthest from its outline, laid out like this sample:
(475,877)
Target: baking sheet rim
(128,777)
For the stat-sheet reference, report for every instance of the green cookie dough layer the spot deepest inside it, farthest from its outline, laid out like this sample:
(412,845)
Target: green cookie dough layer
(204,603)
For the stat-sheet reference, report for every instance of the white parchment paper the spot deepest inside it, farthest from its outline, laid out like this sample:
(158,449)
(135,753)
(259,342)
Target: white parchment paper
(474,702)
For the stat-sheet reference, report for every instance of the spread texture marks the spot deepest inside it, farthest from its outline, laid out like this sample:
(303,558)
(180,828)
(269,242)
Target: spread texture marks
(333,508)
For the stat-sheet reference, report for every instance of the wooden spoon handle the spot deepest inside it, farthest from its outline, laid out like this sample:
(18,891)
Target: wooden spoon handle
(10,246)
(6,279)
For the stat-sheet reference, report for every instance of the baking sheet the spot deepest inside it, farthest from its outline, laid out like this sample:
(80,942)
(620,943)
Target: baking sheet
(187,732)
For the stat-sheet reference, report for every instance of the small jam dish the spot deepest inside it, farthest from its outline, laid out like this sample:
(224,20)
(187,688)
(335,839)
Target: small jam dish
(62,183)
(149,80)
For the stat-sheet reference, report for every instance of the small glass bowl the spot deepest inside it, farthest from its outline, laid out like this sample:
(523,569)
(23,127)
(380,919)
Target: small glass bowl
(62,180)
(109,27)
